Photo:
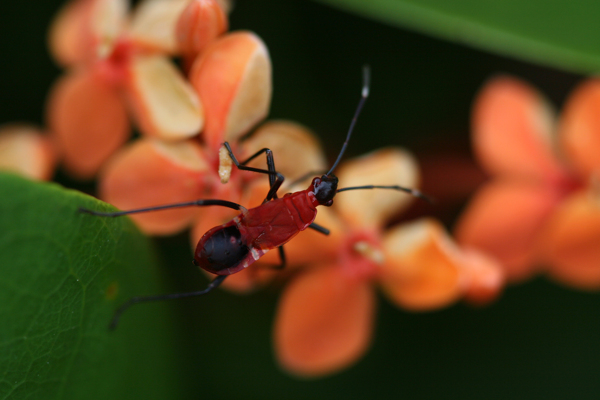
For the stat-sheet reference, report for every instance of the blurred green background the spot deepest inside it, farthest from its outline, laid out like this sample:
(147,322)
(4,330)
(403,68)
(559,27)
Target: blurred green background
(540,340)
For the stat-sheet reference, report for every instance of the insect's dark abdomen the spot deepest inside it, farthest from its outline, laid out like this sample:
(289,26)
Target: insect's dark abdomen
(220,250)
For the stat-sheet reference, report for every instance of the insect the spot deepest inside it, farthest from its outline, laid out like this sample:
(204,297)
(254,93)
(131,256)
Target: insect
(235,245)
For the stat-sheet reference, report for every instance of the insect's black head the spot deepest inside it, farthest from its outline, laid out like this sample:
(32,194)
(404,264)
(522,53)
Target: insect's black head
(325,189)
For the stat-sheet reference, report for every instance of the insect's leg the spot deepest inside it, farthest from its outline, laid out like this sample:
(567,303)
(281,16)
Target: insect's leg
(270,163)
(143,299)
(275,178)
(198,203)
(282,257)
(319,228)
(278,266)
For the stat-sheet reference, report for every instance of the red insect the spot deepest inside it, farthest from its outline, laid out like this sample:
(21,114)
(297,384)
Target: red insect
(235,245)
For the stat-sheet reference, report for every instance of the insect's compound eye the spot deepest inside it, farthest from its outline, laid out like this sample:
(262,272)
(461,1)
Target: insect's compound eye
(329,203)
(315,183)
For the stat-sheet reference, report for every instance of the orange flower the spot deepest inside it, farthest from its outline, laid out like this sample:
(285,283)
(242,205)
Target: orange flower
(542,206)
(118,64)
(233,78)
(325,318)
(154,171)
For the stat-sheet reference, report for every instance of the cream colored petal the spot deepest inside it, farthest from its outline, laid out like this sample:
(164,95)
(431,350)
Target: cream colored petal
(153,24)
(26,150)
(108,18)
(372,208)
(226,5)
(233,79)
(484,275)
(164,104)
(422,269)
(296,149)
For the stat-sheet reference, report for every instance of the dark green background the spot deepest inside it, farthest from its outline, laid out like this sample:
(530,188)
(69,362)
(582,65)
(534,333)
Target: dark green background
(539,340)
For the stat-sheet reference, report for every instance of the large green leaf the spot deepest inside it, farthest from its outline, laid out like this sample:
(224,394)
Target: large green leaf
(551,32)
(62,274)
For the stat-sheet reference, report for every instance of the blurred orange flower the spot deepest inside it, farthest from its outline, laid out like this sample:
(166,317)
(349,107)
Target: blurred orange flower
(27,150)
(324,321)
(542,207)
(119,63)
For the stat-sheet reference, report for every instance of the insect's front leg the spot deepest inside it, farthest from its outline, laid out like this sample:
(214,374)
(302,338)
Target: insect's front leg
(275,178)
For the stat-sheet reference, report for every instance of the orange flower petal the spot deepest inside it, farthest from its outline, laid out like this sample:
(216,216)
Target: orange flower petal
(571,242)
(504,220)
(149,173)
(26,150)
(200,24)
(233,79)
(324,322)
(164,103)
(580,127)
(512,130)
(422,269)
(485,277)
(372,208)
(85,30)
(153,25)
(296,150)
(89,121)
(65,39)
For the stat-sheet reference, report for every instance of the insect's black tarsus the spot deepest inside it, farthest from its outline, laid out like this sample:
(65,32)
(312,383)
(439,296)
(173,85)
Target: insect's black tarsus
(282,257)
(143,299)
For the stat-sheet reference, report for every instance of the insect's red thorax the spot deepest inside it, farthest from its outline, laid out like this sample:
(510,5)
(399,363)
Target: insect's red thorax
(276,222)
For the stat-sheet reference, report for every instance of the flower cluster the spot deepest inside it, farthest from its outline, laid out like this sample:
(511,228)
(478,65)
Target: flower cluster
(540,210)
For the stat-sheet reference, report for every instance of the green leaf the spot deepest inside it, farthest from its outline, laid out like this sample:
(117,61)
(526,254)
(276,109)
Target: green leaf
(558,33)
(62,274)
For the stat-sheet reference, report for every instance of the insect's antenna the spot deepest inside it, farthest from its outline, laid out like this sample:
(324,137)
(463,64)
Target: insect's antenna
(413,192)
(361,103)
